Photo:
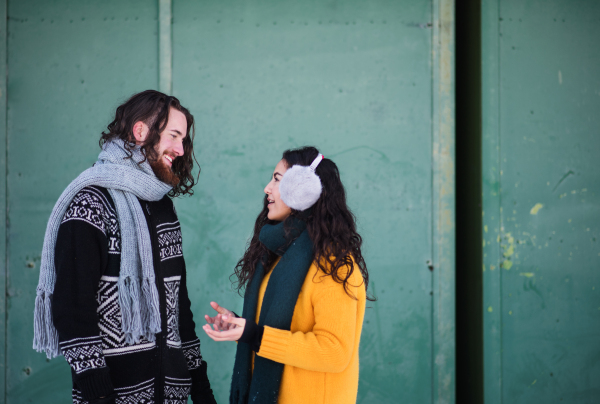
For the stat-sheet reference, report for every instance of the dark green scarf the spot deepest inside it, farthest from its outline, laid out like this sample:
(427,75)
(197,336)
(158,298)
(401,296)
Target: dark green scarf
(276,311)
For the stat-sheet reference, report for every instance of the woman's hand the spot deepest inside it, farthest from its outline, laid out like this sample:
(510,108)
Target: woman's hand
(233,333)
(217,321)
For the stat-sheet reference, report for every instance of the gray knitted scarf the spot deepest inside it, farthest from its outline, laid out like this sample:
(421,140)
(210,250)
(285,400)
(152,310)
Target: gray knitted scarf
(126,180)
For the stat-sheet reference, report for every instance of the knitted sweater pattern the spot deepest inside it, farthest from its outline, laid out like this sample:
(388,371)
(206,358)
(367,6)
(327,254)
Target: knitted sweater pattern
(87,315)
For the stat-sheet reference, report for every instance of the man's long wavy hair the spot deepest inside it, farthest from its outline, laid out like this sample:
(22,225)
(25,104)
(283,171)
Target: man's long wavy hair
(330,224)
(152,107)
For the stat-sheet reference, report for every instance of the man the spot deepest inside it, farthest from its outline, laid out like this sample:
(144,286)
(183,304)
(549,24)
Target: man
(112,295)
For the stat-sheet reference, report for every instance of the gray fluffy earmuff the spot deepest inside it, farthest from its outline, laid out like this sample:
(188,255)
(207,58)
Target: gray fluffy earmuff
(300,186)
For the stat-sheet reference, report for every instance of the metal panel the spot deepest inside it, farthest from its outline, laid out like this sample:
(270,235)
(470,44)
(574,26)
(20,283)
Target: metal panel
(541,81)
(71,63)
(3,212)
(490,172)
(371,84)
(357,80)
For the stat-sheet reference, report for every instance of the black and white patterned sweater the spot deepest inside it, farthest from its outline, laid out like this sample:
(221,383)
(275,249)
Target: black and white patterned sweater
(86,313)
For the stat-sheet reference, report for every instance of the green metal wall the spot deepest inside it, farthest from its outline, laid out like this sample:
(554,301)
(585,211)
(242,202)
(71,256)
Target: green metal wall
(541,201)
(369,83)
(70,63)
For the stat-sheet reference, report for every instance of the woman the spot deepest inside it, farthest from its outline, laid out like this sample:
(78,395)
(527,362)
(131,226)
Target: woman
(305,284)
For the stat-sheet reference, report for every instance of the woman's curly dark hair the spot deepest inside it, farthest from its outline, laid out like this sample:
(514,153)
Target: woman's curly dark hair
(330,224)
(153,107)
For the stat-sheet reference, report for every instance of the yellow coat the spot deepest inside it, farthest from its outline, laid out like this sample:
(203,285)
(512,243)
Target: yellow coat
(320,352)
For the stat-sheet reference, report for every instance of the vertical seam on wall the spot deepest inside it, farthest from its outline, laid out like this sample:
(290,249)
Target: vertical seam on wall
(444,202)
(165,46)
(434,127)
(500,212)
(434,47)
(4,86)
(491,187)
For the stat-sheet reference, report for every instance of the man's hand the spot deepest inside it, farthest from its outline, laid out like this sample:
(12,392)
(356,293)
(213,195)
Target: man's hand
(233,333)
(217,321)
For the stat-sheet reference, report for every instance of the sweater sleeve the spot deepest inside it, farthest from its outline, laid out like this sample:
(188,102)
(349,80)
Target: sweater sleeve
(80,259)
(190,343)
(328,347)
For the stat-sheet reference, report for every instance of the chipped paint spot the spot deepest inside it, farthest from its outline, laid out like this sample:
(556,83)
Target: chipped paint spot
(509,250)
(483,267)
(562,195)
(527,274)
(559,77)
(485,228)
(570,220)
(574,191)
(536,208)
(510,313)
(534,382)
(490,309)
(492,267)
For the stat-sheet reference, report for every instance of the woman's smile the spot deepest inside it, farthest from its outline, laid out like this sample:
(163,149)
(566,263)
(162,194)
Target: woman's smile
(278,210)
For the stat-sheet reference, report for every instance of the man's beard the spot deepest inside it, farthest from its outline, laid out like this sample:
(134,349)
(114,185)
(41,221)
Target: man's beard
(163,172)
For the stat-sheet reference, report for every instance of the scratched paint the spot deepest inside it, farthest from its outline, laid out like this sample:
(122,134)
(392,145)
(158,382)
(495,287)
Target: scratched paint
(536,208)
(508,248)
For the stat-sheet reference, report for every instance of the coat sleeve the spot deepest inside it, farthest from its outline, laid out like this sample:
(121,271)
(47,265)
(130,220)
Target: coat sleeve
(190,343)
(329,346)
(80,259)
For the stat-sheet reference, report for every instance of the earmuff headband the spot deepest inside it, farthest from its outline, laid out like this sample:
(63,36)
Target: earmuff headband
(316,161)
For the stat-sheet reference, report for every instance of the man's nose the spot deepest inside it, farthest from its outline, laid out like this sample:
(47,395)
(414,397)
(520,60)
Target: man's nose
(178,149)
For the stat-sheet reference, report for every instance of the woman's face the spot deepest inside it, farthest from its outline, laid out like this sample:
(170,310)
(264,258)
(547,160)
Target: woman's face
(277,209)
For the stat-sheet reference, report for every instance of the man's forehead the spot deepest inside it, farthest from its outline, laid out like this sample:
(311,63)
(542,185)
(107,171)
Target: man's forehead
(177,122)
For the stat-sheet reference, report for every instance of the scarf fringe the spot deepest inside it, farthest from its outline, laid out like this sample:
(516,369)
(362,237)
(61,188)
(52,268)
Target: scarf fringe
(131,315)
(140,311)
(151,300)
(45,336)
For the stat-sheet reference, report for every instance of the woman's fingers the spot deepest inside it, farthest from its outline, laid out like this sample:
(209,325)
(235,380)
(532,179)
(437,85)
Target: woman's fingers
(230,335)
(234,320)
(219,309)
